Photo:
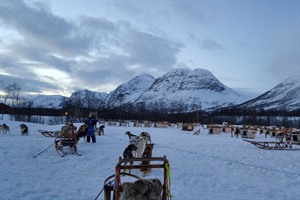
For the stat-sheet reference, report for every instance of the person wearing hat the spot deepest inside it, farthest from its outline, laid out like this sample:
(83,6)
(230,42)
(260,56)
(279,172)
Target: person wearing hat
(92,123)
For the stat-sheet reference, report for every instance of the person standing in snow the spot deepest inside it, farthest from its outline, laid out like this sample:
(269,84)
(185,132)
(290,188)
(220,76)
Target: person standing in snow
(288,140)
(92,123)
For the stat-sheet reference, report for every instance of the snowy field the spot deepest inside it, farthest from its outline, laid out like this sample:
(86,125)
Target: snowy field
(206,167)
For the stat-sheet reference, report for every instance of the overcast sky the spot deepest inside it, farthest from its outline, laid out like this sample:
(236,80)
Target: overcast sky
(60,46)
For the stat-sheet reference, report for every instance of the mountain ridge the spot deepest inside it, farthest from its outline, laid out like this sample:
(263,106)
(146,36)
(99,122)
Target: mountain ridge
(181,90)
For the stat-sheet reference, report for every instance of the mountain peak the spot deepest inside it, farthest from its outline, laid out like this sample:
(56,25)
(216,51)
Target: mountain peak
(284,96)
(128,92)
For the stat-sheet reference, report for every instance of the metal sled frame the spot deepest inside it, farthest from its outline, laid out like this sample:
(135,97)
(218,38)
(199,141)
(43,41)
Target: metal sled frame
(269,145)
(116,188)
(49,133)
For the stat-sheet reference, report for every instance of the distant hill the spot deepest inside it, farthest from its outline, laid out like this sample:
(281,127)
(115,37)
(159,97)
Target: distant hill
(46,101)
(284,96)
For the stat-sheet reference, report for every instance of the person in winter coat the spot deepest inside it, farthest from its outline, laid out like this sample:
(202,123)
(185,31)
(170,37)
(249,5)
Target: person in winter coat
(92,123)
(288,140)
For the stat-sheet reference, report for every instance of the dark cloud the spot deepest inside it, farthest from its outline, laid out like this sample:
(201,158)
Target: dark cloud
(93,51)
(207,44)
(39,26)
(213,46)
(28,85)
(151,51)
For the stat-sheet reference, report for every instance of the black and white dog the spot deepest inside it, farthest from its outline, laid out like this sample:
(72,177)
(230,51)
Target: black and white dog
(128,153)
(24,129)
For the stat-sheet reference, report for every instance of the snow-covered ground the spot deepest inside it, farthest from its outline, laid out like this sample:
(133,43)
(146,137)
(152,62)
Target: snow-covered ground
(212,167)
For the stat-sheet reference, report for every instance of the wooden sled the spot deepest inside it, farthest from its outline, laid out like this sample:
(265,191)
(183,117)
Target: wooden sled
(270,145)
(66,138)
(49,133)
(115,190)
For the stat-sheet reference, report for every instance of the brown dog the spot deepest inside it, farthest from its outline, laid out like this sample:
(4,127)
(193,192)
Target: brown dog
(147,154)
(82,131)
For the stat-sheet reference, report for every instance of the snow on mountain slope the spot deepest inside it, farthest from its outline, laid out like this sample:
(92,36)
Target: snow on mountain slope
(88,99)
(186,90)
(130,91)
(285,96)
(180,90)
(46,101)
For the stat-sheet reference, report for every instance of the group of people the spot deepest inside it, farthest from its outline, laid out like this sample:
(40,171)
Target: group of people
(91,124)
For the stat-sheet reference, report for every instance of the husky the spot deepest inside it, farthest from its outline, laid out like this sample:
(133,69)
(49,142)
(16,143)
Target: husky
(24,129)
(4,128)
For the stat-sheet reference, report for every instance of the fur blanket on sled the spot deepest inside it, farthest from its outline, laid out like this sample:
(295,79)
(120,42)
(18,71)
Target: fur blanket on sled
(142,189)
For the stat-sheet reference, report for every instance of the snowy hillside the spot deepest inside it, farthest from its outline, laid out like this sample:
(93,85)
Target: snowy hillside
(180,90)
(285,96)
(88,99)
(46,101)
(130,91)
(206,167)
(185,90)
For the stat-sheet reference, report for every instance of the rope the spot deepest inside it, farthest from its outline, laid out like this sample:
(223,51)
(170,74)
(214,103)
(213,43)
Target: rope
(168,181)
(43,151)
(109,183)
(232,161)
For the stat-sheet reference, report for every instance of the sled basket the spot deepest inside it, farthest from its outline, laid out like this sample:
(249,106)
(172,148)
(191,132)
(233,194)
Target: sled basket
(67,137)
(113,187)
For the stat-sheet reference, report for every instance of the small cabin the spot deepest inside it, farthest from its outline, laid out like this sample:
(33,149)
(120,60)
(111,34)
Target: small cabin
(161,125)
(124,124)
(248,133)
(295,137)
(271,131)
(147,124)
(137,124)
(214,129)
(228,129)
(187,127)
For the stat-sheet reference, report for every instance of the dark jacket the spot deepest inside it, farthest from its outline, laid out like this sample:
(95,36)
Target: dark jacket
(91,121)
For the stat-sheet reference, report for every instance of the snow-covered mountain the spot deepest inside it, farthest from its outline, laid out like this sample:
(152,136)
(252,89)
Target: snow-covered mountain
(85,98)
(284,96)
(130,91)
(184,90)
(46,101)
(88,99)
(180,90)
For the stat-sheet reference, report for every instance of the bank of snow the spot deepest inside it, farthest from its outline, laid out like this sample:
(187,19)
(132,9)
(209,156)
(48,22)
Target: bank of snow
(212,167)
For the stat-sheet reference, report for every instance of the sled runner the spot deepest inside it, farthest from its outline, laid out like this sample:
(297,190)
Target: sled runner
(141,188)
(66,138)
(49,133)
(270,145)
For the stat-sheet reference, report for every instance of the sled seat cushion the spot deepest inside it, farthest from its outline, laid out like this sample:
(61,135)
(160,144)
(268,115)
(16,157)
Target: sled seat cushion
(142,189)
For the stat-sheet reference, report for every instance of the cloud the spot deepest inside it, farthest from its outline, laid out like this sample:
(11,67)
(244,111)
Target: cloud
(92,51)
(151,51)
(28,85)
(213,46)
